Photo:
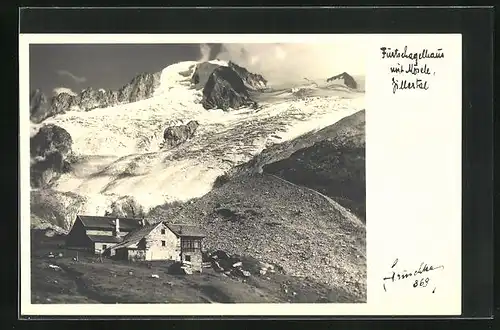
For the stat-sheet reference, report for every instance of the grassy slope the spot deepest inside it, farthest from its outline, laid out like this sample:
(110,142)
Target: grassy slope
(276,222)
(89,281)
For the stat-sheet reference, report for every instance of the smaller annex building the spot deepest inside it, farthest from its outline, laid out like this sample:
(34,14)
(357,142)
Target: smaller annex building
(96,234)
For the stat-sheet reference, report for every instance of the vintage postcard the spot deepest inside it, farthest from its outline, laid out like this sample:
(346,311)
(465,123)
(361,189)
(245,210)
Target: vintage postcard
(254,174)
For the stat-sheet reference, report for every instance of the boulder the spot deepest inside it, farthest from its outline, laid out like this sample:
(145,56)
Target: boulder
(217,267)
(176,135)
(219,254)
(241,272)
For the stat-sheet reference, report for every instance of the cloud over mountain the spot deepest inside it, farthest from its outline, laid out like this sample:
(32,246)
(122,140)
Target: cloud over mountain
(59,90)
(205,52)
(281,63)
(75,78)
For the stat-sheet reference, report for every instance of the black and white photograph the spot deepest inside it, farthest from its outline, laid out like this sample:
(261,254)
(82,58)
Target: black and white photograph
(173,173)
(310,164)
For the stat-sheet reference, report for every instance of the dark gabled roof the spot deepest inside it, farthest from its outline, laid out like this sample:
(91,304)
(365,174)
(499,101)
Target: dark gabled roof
(104,239)
(183,230)
(136,235)
(126,224)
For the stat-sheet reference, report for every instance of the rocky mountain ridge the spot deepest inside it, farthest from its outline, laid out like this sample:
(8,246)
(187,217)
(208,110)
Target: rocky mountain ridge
(346,78)
(221,79)
(139,88)
(225,89)
(252,80)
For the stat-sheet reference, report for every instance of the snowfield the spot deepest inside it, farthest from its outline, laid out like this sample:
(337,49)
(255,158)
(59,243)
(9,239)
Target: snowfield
(119,148)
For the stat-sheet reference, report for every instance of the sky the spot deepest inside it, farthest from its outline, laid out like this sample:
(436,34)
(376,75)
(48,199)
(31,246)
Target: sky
(73,67)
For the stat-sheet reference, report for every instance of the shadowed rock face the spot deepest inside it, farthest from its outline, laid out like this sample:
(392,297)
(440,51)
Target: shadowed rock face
(224,90)
(202,73)
(140,88)
(175,135)
(49,149)
(347,79)
(50,138)
(41,108)
(252,80)
(62,102)
(90,99)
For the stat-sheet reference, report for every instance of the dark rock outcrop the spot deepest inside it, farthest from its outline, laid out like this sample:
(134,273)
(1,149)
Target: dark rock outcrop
(202,73)
(252,80)
(49,149)
(50,138)
(224,90)
(140,88)
(40,107)
(175,135)
(90,99)
(347,79)
(62,102)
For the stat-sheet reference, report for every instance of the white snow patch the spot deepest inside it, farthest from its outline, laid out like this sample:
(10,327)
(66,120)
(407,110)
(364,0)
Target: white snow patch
(59,90)
(219,62)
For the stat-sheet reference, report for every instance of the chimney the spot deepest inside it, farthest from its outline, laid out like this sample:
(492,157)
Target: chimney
(117,227)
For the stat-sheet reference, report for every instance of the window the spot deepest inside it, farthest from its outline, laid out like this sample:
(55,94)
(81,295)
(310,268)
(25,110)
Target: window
(187,258)
(190,245)
(163,243)
(104,246)
(163,231)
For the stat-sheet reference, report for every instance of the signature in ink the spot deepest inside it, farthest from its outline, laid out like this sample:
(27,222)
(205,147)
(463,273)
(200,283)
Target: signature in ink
(420,276)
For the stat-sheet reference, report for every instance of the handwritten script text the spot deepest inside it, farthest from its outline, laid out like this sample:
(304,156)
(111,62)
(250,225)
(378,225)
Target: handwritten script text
(420,277)
(408,70)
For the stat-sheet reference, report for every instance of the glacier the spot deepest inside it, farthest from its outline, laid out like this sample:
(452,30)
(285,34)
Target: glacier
(118,148)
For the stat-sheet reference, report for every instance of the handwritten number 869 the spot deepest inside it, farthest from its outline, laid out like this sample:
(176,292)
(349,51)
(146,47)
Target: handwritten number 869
(422,283)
